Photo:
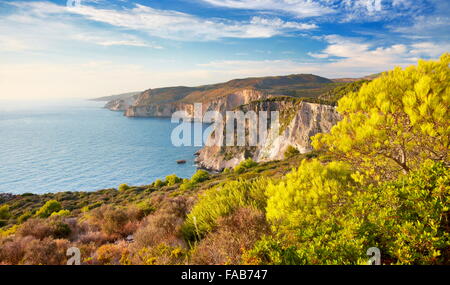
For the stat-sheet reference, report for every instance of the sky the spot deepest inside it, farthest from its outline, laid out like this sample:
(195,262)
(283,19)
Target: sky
(92,48)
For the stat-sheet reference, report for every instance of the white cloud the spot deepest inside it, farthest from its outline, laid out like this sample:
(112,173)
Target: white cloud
(171,24)
(42,26)
(429,49)
(299,8)
(318,55)
(124,40)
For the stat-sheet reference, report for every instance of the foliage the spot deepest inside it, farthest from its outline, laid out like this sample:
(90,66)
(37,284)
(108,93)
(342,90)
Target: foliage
(159,183)
(408,219)
(396,121)
(244,165)
(123,187)
(172,180)
(200,176)
(49,207)
(291,151)
(62,213)
(222,201)
(4,212)
(235,234)
(24,217)
(341,91)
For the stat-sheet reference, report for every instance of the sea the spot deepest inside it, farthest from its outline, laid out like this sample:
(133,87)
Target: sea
(77,145)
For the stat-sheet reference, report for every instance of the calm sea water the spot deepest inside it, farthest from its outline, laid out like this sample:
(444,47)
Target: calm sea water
(78,146)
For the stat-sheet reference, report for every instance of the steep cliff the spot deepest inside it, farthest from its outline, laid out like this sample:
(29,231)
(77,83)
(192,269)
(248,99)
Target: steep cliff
(143,107)
(121,104)
(162,102)
(299,120)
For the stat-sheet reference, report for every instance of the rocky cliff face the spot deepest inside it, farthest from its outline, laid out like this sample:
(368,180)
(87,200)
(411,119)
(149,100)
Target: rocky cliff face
(142,106)
(298,122)
(121,104)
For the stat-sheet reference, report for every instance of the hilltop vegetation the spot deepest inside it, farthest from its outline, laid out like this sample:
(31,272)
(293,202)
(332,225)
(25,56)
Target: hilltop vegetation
(298,85)
(379,179)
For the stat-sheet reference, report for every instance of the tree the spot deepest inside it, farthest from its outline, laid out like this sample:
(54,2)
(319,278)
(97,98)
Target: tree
(395,122)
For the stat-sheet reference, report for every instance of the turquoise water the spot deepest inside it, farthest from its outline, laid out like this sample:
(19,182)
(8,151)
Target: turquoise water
(78,146)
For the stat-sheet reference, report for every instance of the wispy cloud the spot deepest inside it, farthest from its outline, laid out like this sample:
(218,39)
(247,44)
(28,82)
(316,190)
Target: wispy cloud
(299,8)
(172,24)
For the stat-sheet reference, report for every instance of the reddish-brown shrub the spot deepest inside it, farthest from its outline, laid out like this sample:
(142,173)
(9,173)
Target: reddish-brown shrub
(115,222)
(41,228)
(112,254)
(12,251)
(235,234)
(163,226)
(46,252)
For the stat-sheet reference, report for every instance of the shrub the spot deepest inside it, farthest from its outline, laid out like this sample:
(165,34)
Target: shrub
(24,217)
(159,183)
(4,212)
(244,165)
(270,250)
(187,186)
(114,222)
(321,217)
(146,207)
(112,254)
(309,193)
(163,225)
(420,203)
(291,151)
(395,122)
(199,176)
(62,213)
(222,201)
(172,180)
(49,207)
(43,228)
(123,187)
(46,252)
(13,251)
(161,254)
(235,234)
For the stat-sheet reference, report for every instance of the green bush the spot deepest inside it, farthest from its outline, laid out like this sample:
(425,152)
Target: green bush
(291,151)
(4,212)
(25,216)
(146,207)
(200,176)
(159,183)
(244,165)
(324,216)
(49,207)
(172,180)
(123,187)
(62,213)
(222,201)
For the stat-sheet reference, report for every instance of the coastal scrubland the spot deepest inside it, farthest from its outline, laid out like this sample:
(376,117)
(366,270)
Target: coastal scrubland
(380,179)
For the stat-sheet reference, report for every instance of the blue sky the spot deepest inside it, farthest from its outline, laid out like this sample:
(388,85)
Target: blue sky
(90,48)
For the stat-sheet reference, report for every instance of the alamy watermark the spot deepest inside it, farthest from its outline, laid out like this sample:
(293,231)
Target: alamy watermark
(374,254)
(236,128)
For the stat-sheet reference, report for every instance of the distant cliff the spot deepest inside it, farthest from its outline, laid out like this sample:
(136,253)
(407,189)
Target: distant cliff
(162,102)
(221,104)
